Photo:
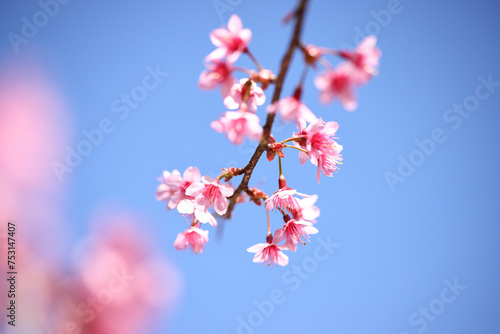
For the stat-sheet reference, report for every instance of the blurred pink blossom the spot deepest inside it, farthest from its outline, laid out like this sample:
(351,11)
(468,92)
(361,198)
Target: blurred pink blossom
(365,57)
(245,95)
(218,73)
(237,125)
(230,41)
(338,83)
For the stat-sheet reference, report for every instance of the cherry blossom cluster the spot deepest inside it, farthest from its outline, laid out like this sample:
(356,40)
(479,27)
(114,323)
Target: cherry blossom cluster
(192,196)
(315,139)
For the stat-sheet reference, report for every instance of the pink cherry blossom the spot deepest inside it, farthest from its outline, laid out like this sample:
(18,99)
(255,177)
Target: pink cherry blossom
(365,57)
(248,92)
(218,73)
(270,253)
(283,200)
(237,125)
(211,192)
(194,238)
(338,83)
(318,140)
(294,231)
(230,41)
(292,109)
(173,188)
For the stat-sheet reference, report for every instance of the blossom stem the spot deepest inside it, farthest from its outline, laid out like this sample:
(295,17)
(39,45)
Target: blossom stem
(294,138)
(279,161)
(325,63)
(285,64)
(244,70)
(268,223)
(297,148)
(255,61)
(303,76)
(332,52)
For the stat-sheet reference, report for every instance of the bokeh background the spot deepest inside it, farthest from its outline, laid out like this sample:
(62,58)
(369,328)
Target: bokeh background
(411,254)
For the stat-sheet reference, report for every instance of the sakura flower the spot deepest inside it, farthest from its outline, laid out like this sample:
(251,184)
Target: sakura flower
(245,95)
(338,83)
(211,192)
(292,109)
(195,213)
(230,42)
(218,73)
(270,253)
(194,238)
(175,185)
(237,125)
(318,140)
(365,57)
(294,231)
(283,200)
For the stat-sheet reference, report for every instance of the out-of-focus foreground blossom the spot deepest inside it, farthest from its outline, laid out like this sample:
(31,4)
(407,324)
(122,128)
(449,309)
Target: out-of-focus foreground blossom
(33,128)
(120,282)
(126,284)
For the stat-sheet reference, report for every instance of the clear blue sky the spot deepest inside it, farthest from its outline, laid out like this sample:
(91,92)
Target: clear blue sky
(398,247)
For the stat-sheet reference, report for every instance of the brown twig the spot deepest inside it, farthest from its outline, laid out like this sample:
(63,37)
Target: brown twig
(285,63)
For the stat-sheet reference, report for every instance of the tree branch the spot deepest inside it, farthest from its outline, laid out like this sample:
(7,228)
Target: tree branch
(285,63)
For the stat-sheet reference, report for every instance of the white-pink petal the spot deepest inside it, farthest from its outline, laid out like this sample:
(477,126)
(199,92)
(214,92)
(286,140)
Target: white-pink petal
(220,205)
(256,248)
(192,174)
(234,24)
(186,207)
(226,190)
(194,189)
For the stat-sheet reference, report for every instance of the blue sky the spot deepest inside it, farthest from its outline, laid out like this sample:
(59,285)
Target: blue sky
(392,247)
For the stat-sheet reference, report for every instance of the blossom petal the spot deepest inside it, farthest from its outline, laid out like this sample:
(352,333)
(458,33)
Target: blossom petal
(220,205)
(234,24)
(186,206)
(282,259)
(194,189)
(226,190)
(217,54)
(256,248)
(192,174)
